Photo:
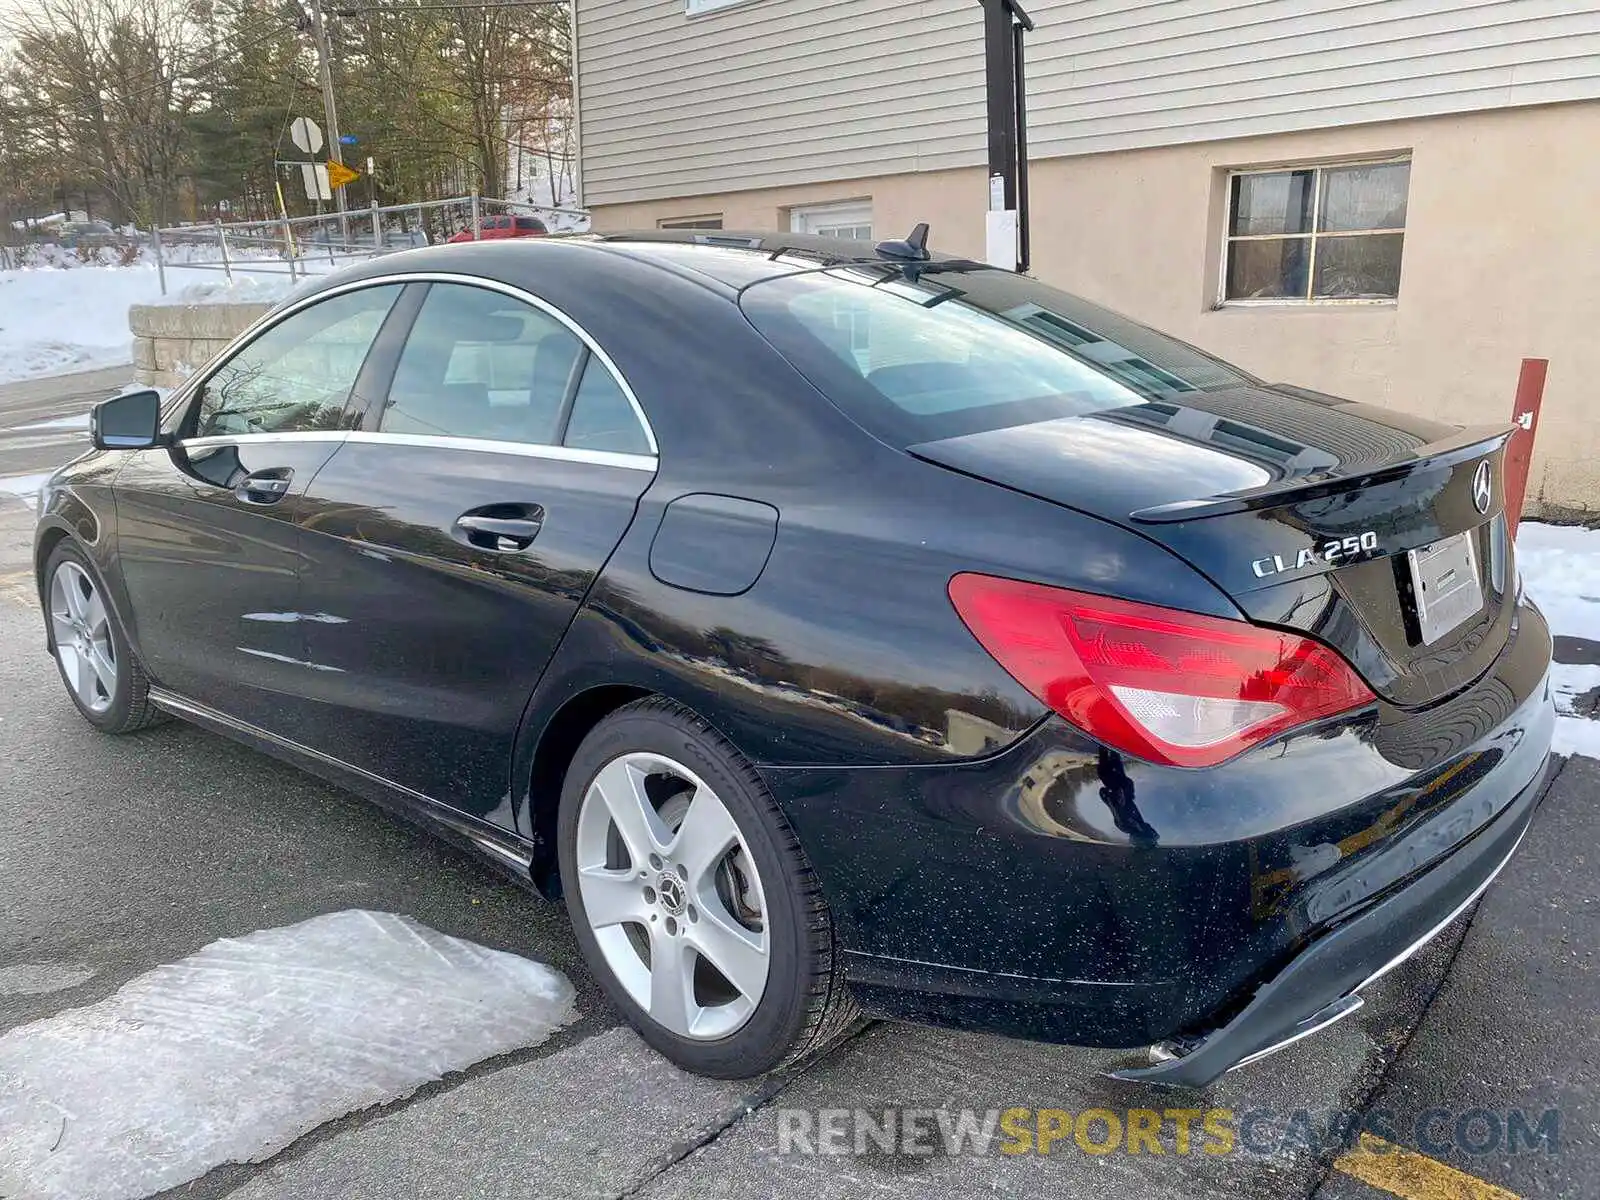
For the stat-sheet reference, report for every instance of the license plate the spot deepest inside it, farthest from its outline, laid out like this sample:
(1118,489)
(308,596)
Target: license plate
(1444,579)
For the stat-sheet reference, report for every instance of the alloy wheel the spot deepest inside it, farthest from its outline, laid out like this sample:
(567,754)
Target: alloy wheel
(672,895)
(82,631)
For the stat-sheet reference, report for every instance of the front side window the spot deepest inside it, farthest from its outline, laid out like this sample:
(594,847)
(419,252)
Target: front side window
(298,375)
(956,351)
(480,364)
(1316,234)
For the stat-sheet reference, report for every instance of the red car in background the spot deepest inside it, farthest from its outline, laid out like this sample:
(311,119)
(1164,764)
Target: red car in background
(504,227)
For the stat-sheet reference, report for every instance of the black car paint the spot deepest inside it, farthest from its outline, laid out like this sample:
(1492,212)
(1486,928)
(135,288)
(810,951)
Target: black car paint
(1108,900)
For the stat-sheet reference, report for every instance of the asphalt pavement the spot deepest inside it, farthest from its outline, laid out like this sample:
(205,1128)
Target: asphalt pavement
(119,856)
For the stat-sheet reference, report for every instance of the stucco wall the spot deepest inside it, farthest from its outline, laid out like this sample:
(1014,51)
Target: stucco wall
(1501,261)
(170,341)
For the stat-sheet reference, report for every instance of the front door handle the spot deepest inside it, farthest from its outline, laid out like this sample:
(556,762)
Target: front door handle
(503,527)
(264,487)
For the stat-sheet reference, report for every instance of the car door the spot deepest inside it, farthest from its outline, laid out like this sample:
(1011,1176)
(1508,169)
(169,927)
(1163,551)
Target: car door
(207,540)
(449,544)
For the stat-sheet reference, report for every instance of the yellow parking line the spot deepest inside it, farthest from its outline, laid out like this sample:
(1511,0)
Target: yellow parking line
(1413,1176)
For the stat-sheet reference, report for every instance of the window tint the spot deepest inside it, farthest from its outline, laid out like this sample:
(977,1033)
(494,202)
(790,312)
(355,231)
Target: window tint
(479,364)
(958,351)
(602,418)
(298,375)
(530,225)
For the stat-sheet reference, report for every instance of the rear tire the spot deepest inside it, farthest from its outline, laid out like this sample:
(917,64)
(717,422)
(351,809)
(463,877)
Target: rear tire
(692,900)
(102,675)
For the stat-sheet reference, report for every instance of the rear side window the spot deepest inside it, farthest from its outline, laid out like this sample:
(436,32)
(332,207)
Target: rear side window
(480,364)
(602,418)
(962,351)
(530,225)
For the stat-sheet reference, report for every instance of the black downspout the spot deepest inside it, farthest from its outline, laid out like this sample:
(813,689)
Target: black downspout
(1004,23)
(1023,249)
(1000,76)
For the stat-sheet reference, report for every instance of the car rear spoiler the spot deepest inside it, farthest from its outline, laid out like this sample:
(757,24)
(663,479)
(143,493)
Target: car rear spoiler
(1470,443)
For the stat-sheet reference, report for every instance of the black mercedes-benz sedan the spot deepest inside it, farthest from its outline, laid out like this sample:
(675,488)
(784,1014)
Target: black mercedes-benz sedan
(838,629)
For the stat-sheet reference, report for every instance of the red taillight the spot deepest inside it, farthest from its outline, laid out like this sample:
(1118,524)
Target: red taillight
(1168,686)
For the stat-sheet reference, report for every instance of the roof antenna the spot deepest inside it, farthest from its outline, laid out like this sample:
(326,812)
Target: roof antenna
(913,249)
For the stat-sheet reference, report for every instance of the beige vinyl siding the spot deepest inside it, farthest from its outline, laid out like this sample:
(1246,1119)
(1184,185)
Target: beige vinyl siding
(1118,75)
(773,92)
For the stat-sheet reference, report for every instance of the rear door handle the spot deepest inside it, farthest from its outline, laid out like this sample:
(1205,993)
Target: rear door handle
(503,527)
(265,487)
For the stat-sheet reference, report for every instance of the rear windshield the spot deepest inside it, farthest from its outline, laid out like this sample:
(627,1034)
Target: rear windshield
(530,224)
(962,351)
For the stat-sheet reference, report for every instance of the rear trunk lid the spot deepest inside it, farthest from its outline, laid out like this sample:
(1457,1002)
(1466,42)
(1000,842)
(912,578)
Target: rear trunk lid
(1380,534)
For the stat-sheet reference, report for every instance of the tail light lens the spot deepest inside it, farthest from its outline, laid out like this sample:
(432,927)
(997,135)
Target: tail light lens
(1168,686)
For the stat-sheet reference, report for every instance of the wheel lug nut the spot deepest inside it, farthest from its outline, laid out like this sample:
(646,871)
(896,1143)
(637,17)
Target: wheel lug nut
(683,871)
(672,926)
(692,914)
(650,895)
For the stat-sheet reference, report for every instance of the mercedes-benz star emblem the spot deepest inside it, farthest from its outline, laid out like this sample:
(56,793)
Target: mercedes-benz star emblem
(1482,490)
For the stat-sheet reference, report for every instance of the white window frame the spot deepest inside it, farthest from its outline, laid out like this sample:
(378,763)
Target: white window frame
(1313,236)
(803,218)
(695,8)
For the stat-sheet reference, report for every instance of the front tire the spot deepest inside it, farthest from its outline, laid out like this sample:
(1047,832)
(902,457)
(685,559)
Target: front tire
(692,900)
(97,664)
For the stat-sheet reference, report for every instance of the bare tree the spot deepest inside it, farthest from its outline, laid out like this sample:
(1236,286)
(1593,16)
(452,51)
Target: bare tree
(108,87)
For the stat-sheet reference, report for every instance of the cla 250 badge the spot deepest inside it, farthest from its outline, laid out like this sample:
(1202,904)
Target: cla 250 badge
(1328,554)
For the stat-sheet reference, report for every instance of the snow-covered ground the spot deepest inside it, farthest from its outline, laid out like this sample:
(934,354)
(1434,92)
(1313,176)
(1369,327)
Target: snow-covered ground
(232,1053)
(54,321)
(59,319)
(1560,567)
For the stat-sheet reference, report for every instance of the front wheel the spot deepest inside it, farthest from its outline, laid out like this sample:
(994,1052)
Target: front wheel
(91,650)
(691,898)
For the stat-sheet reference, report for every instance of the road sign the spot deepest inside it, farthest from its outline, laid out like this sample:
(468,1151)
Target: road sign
(306,134)
(348,139)
(316,181)
(339,174)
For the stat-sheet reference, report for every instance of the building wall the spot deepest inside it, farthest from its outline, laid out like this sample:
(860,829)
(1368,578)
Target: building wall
(774,92)
(1501,261)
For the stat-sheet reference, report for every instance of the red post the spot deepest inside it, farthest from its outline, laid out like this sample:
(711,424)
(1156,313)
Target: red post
(1519,452)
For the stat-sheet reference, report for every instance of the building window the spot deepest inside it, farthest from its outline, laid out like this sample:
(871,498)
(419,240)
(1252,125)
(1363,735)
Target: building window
(1316,234)
(848,220)
(711,222)
(696,7)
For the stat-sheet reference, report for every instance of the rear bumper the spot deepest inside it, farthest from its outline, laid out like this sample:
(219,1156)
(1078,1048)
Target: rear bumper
(1323,983)
(1060,892)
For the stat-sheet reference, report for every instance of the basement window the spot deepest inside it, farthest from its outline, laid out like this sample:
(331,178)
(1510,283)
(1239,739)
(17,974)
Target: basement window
(851,219)
(708,222)
(1315,235)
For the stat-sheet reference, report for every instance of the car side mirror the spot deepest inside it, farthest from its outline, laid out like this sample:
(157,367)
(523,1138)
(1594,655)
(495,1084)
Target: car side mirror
(127,422)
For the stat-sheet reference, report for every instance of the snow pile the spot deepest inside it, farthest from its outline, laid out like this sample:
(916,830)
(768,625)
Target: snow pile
(233,1053)
(57,321)
(241,289)
(1560,567)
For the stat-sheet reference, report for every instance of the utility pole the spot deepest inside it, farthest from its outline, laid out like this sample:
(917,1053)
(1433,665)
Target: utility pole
(319,30)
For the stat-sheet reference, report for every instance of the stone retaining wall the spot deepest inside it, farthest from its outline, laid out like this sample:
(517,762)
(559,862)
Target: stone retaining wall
(170,341)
